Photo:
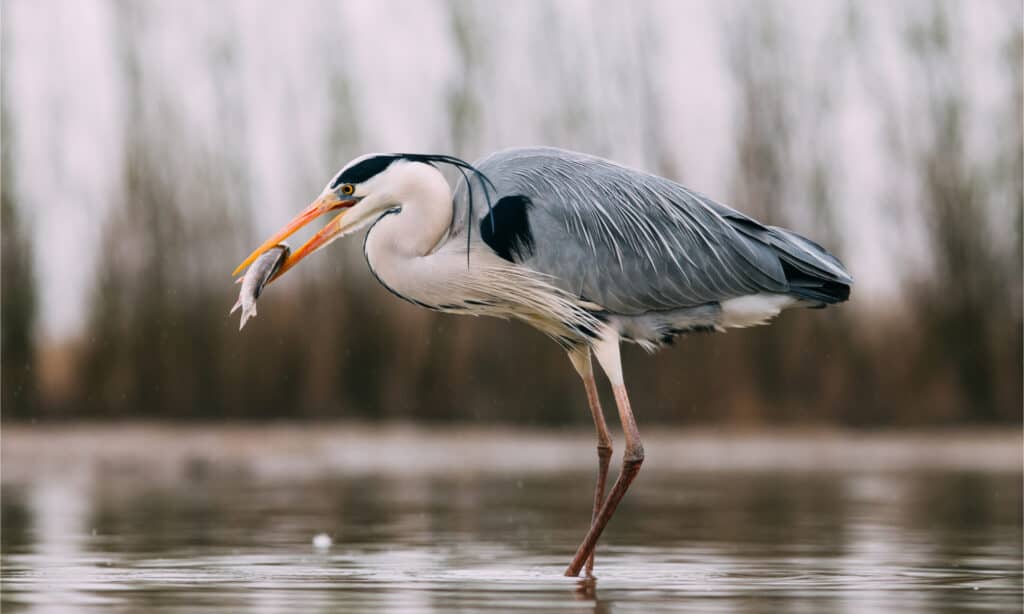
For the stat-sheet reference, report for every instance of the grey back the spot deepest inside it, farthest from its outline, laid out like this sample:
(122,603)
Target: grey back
(634,242)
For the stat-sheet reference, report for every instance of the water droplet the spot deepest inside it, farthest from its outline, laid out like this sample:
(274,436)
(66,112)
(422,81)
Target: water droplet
(322,541)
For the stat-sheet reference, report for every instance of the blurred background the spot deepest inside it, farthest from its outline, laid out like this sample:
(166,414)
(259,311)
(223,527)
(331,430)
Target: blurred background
(860,458)
(148,146)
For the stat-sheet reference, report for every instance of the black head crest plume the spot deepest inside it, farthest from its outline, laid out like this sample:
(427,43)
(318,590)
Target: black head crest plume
(462,166)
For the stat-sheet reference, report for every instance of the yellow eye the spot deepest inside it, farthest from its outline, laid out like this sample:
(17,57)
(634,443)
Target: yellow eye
(347,189)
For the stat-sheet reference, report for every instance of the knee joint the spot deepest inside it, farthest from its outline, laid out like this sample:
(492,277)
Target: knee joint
(634,456)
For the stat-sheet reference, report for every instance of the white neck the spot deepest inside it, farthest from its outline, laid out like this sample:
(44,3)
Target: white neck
(400,245)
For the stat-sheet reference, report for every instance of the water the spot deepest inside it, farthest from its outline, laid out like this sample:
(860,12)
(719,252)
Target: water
(129,530)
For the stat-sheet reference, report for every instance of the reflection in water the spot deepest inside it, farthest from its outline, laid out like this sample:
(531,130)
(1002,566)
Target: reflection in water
(726,540)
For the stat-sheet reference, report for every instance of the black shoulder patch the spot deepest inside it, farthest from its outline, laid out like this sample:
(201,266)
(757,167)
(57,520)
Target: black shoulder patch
(506,229)
(366,169)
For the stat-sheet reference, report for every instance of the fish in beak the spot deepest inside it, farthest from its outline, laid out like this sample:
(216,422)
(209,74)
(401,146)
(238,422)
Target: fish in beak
(256,278)
(327,202)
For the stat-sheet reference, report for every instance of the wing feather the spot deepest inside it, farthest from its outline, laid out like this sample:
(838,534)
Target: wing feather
(634,242)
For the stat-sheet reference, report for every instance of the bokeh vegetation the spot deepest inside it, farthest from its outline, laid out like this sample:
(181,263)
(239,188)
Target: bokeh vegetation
(157,343)
(17,301)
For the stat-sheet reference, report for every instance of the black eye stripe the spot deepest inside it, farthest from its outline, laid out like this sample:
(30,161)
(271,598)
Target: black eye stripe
(358,173)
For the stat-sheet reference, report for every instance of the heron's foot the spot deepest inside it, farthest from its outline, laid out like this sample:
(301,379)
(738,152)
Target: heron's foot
(586,588)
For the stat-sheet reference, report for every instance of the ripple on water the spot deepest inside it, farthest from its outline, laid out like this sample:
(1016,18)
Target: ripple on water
(787,540)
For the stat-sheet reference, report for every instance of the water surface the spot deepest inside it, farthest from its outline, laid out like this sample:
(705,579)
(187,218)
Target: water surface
(109,535)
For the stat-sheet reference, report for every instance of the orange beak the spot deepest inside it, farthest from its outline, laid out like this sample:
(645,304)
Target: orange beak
(324,204)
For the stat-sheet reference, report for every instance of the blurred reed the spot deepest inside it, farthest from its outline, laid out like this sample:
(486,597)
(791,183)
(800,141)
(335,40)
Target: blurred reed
(158,344)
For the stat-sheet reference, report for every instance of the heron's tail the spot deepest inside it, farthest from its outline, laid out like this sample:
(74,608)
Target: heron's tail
(813,273)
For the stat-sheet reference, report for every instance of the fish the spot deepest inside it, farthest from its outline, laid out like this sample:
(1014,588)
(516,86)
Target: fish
(259,274)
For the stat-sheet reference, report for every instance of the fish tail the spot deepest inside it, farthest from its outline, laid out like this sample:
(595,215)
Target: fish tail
(251,313)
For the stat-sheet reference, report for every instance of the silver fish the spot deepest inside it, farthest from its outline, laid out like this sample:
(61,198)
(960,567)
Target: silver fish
(256,278)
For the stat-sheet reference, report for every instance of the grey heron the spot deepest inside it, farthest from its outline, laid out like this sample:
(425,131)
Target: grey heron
(589,252)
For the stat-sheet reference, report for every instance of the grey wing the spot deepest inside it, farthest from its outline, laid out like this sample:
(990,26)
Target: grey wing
(633,242)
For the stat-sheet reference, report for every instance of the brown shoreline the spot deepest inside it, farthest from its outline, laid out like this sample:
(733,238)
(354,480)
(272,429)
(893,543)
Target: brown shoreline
(302,451)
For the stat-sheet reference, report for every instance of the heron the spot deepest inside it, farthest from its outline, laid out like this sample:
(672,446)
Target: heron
(589,252)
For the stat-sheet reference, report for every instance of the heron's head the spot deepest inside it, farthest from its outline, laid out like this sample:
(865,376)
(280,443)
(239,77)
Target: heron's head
(365,188)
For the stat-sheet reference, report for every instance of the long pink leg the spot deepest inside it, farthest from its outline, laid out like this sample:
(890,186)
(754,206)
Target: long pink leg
(581,360)
(607,352)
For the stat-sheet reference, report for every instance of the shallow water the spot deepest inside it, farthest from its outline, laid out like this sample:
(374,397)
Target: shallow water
(116,540)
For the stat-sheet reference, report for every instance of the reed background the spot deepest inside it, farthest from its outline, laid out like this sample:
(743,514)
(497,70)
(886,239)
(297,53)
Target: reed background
(148,146)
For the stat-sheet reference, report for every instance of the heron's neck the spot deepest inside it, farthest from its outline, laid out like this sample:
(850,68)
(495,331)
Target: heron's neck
(423,217)
(400,246)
